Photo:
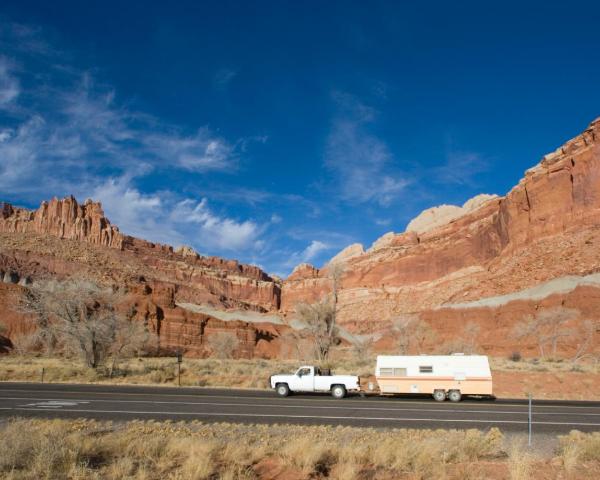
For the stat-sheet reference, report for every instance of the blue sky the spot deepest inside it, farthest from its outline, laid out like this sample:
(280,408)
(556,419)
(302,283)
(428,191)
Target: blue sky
(281,132)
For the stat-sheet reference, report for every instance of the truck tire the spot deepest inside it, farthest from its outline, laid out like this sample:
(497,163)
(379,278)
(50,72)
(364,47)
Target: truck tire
(439,395)
(454,395)
(282,389)
(338,391)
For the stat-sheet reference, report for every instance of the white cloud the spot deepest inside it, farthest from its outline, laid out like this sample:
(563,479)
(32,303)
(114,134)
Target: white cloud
(161,217)
(314,249)
(69,130)
(276,218)
(460,168)
(215,231)
(9,84)
(135,213)
(309,254)
(360,161)
(200,152)
(383,221)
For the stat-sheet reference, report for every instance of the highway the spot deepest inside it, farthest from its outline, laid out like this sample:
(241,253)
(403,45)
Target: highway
(122,403)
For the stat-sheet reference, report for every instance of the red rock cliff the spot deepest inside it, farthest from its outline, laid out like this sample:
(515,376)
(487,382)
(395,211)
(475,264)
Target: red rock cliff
(544,228)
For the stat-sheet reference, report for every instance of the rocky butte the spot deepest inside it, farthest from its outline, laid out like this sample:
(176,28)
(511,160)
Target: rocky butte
(489,263)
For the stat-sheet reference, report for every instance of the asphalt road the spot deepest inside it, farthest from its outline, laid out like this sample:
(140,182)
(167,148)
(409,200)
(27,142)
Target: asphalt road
(107,402)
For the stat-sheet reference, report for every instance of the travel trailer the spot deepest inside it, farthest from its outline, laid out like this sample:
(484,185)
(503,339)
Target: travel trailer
(443,376)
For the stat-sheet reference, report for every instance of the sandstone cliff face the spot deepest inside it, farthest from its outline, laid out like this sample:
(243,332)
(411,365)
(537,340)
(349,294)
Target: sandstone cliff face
(63,219)
(544,228)
(63,238)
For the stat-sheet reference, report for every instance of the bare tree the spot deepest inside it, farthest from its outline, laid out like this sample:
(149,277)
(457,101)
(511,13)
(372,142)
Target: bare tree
(80,317)
(223,344)
(130,338)
(547,327)
(470,335)
(413,334)
(585,339)
(363,347)
(335,271)
(319,323)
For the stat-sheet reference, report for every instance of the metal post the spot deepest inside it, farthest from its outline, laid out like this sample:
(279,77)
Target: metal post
(42,374)
(529,421)
(179,360)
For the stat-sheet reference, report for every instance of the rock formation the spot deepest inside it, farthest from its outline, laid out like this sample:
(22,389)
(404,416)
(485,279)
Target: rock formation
(442,215)
(63,238)
(477,263)
(546,227)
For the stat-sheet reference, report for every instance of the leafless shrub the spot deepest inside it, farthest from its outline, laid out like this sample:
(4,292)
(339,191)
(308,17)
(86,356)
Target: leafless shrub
(79,317)
(28,343)
(413,334)
(465,343)
(548,328)
(130,338)
(363,348)
(223,344)
(584,336)
(515,356)
(319,322)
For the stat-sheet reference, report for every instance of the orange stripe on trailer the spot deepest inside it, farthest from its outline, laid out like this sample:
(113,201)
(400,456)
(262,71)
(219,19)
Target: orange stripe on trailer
(479,379)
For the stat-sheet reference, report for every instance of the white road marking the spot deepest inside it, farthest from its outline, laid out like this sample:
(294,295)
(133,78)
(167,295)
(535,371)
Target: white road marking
(53,403)
(323,407)
(266,415)
(305,399)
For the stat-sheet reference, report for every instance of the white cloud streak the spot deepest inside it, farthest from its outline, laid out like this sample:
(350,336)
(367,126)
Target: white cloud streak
(69,135)
(361,162)
(213,230)
(9,84)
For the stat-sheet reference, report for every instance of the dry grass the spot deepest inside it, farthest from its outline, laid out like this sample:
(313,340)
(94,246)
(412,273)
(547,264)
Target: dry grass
(205,372)
(209,372)
(520,461)
(51,449)
(547,365)
(578,450)
(86,449)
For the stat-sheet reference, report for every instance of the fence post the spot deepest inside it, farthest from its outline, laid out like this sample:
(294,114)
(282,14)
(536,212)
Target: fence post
(43,369)
(529,420)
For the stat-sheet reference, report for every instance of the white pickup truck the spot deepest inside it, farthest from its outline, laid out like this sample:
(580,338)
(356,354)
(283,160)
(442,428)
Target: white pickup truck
(314,379)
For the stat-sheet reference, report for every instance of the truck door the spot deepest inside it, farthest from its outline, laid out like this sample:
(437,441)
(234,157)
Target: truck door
(305,381)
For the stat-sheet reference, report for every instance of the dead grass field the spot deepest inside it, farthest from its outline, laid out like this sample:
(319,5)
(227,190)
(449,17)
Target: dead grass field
(559,380)
(86,449)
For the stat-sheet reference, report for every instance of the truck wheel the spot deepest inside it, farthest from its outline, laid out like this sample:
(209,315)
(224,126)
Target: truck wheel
(282,389)
(439,395)
(454,395)
(338,391)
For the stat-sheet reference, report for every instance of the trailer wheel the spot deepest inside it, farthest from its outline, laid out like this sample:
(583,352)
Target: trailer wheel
(338,391)
(282,389)
(439,395)
(454,395)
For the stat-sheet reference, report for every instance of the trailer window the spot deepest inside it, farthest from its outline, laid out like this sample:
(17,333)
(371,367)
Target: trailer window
(385,372)
(399,372)
(425,369)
